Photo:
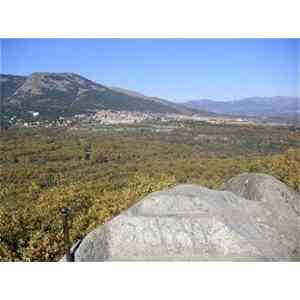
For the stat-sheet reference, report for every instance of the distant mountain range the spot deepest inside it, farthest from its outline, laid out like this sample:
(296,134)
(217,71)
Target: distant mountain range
(67,94)
(268,107)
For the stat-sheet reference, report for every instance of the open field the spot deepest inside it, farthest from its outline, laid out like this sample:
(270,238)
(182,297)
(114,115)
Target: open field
(43,170)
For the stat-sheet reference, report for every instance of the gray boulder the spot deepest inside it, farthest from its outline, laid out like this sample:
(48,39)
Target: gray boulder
(264,188)
(190,222)
(278,198)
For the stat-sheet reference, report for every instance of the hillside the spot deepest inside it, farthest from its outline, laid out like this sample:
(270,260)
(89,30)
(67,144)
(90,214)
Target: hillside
(272,107)
(9,84)
(67,94)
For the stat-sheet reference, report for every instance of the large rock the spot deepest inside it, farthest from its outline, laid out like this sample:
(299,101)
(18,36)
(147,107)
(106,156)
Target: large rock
(264,188)
(282,201)
(190,222)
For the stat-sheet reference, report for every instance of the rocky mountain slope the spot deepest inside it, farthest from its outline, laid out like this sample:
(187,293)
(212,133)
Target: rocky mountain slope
(255,217)
(273,107)
(9,84)
(66,94)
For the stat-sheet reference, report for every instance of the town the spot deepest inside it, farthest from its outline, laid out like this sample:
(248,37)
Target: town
(113,117)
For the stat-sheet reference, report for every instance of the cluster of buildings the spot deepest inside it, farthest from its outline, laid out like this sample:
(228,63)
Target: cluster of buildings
(59,123)
(225,120)
(109,117)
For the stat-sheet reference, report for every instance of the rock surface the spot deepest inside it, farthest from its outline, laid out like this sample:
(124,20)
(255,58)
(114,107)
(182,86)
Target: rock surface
(190,222)
(264,188)
(282,201)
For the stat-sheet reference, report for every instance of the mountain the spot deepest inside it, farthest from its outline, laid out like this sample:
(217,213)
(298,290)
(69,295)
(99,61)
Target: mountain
(67,94)
(270,107)
(9,84)
(176,106)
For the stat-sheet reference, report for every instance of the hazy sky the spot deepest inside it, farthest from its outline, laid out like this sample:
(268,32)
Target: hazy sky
(175,69)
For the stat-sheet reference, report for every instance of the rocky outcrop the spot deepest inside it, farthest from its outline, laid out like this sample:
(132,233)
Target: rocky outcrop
(282,201)
(190,222)
(264,188)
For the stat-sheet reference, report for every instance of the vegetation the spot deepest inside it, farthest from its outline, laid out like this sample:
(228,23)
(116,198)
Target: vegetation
(44,170)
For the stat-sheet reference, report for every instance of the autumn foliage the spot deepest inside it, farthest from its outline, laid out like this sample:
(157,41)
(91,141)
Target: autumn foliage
(42,171)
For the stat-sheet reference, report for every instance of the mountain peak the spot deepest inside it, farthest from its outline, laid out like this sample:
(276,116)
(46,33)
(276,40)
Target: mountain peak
(65,94)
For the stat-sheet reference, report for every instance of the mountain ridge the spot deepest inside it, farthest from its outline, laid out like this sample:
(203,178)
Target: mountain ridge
(66,94)
(55,94)
(270,107)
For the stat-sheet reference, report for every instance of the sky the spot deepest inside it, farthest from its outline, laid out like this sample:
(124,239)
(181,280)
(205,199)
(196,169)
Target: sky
(174,69)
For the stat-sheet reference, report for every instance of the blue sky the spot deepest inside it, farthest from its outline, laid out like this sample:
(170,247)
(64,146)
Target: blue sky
(175,69)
